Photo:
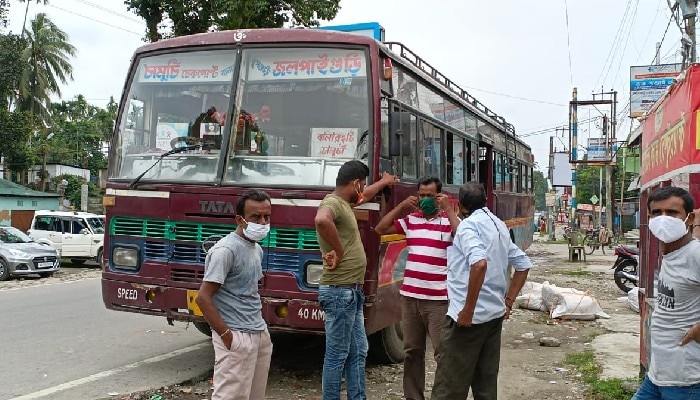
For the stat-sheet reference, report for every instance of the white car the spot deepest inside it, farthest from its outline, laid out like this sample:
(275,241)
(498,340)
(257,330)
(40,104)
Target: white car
(76,235)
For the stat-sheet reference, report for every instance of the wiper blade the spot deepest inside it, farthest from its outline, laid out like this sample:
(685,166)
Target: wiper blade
(162,156)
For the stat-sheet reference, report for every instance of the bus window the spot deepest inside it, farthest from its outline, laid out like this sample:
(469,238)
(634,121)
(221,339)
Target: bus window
(385,133)
(409,167)
(432,150)
(473,158)
(175,100)
(302,113)
(455,159)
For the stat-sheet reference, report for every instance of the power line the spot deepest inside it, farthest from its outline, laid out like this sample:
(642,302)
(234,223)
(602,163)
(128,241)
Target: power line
(517,97)
(618,36)
(666,31)
(639,52)
(568,43)
(95,20)
(99,7)
(624,49)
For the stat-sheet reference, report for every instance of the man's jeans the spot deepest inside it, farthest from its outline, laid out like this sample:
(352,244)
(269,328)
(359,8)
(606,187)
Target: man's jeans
(346,341)
(649,391)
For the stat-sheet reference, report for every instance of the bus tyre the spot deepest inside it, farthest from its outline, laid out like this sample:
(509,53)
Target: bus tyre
(386,346)
(203,327)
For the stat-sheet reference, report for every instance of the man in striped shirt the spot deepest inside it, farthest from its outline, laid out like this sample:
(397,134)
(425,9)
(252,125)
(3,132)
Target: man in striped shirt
(429,229)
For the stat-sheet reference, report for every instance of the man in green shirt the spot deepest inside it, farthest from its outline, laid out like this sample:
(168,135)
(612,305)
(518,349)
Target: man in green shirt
(340,291)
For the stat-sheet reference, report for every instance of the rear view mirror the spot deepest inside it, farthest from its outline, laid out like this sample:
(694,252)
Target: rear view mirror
(399,129)
(84,231)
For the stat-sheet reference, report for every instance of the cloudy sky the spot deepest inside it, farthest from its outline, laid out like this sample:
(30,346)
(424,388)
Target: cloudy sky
(519,58)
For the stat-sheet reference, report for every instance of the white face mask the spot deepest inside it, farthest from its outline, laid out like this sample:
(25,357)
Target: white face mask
(668,229)
(255,232)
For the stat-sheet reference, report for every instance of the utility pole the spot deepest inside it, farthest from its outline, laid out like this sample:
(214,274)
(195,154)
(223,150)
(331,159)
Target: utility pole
(573,118)
(657,57)
(610,191)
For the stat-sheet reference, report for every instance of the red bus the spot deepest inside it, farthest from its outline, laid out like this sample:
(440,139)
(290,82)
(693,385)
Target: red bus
(205,117)
(670,152)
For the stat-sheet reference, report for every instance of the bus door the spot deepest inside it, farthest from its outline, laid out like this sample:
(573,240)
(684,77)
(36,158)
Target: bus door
(486,172)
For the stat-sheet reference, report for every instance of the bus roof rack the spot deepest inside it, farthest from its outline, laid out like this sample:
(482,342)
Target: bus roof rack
(408,55)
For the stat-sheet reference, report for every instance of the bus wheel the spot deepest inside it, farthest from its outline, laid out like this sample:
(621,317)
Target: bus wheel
(203,327)
(386,346)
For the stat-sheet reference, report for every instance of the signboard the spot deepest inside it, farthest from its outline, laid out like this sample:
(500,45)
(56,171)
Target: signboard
(647,84)
(283,64)
(594,199)
(597,150)
(369,29)
(191,67)
(166,132)
(550,199)
(670,142)
(333,142)
(560,169)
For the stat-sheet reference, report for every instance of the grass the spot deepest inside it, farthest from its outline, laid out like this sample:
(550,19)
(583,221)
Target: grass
(576,272)
(598,389)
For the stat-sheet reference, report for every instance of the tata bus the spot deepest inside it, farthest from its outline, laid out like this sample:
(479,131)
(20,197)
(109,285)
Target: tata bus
(670,150)
(204,118)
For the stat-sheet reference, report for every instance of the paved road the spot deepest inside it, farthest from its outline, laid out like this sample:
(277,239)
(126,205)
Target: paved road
(59,342)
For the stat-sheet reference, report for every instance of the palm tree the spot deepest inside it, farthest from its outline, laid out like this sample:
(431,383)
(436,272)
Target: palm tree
(47,54)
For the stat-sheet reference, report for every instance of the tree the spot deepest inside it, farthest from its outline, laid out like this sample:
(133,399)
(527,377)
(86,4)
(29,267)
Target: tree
(197,16)
(47,55)
(540,185)
(5,9)
(72,190)
(11,68)
(15,129)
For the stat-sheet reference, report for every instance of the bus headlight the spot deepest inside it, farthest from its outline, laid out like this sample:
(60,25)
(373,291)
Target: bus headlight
(312,274)
(125,257)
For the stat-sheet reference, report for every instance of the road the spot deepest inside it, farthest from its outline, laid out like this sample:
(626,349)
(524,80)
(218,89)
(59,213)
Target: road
(59,342)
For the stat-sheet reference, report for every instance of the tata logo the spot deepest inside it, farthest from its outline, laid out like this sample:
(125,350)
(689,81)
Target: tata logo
(216,207)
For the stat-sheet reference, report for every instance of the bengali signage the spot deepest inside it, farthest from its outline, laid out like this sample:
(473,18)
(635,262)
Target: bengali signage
(670,141)
(298,64)
(188,67)
(333,142)
(647,84)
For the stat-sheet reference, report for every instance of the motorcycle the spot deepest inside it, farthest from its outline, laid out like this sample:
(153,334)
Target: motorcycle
(626,275)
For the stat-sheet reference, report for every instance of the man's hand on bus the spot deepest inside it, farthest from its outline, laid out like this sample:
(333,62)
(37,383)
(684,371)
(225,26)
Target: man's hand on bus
(692,334)
(331,259)
(388,179)
(410,203)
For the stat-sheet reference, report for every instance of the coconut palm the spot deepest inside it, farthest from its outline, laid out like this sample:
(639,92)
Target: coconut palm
(47,54)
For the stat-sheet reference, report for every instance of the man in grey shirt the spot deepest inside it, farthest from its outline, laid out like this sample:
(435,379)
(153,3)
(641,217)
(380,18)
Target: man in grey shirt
(674,365)
(230,303)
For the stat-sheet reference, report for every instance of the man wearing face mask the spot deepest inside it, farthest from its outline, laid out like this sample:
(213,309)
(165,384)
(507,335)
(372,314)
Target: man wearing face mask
(229,300)
(479,300)
(424,290)
(674,366)
(340,291)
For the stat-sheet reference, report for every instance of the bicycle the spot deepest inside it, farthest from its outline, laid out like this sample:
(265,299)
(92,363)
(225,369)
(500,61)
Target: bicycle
(592,241)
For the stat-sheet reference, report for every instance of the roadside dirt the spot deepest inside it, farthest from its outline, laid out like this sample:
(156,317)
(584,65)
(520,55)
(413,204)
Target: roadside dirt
(528,371)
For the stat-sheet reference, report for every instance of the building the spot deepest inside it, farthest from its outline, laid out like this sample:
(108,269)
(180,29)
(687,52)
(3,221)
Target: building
(55,170)
(18,203)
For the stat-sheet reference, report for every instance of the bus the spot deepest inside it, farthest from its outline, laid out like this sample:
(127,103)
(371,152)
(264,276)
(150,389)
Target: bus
(204,118)
(670,156)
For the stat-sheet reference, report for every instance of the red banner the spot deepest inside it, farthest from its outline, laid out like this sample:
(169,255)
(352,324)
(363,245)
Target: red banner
(669,140)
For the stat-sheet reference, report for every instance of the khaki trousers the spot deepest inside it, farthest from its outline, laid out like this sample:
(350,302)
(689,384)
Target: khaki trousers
(421,319)
(241,373)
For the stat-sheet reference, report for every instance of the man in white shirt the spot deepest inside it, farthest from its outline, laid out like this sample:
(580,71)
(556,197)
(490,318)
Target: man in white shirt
(477,276)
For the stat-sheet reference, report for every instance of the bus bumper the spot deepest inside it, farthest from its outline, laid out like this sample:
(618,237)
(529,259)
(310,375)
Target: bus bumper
(288,315)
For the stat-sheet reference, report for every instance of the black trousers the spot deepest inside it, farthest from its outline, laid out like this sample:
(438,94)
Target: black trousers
(469,358)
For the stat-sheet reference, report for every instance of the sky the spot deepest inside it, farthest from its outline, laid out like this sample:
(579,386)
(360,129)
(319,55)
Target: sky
(519,58)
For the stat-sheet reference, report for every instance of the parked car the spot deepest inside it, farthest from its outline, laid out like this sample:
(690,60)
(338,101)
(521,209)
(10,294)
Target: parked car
(20,255)
(76,235)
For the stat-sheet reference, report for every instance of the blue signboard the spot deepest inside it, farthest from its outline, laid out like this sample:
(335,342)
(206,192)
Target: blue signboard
(370,29)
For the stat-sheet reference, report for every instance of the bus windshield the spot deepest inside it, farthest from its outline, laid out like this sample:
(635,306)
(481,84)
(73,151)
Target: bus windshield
(299,114)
